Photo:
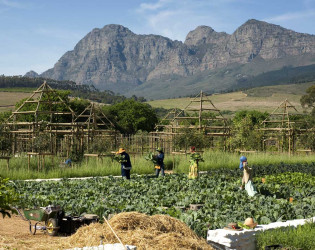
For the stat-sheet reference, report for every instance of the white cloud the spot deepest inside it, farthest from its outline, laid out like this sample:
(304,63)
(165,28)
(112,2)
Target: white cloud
(12,4)
(153,6)
(174,18)
(291,16)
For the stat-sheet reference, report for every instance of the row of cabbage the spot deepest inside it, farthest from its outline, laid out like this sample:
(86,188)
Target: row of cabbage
(218,191)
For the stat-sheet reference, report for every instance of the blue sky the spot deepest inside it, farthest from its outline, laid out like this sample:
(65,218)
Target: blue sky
(34,34)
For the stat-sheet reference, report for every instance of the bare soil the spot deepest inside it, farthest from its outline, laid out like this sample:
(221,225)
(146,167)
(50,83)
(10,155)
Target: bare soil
(15,234)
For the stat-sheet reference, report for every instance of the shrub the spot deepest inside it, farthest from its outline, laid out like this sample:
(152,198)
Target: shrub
(301,237)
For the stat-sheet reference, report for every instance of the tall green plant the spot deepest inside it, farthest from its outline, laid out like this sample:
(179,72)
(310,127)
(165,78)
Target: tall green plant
(245,130)
(7,197)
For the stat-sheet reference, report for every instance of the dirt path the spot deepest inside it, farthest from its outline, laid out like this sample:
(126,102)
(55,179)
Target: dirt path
(14,234)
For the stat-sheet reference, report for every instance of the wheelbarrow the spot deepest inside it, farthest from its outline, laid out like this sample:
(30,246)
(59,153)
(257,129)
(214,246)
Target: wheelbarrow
(52,219)
(43,215)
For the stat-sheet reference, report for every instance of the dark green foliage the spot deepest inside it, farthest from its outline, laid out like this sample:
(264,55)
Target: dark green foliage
(286,75)
(244,130)
(151,157)
(78,105)
(218,191)
(5,141)
(283,168)
(100,145)
(256,117)
(4,116)
(301,237)
(191,137)
(119,158)
(132,116)
(41,142)
(7,197)
(196,157)
(308,100)
(82,91)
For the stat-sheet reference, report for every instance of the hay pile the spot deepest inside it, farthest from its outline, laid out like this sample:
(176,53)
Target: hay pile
(143,231)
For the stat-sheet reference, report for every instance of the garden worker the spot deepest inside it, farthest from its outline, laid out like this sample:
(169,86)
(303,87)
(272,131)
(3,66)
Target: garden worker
(125,163)
(247,179)
(160,163)
(194,160)
(68,162)
(241,167)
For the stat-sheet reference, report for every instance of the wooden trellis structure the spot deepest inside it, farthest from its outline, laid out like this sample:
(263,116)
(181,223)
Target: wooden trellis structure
(45,123)
(44,113)
(205,118)
(92,123)
(281,130)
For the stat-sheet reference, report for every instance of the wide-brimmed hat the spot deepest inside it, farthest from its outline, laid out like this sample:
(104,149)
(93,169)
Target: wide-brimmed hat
(250,223)
(233,226)
(121,150)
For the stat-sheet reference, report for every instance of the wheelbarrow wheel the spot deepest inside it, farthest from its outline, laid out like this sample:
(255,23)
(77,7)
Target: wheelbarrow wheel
(51,227)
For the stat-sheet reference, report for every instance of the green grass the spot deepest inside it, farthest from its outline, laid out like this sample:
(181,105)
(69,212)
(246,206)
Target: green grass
(301,237)
(179,163)
(262,98)
(20,89)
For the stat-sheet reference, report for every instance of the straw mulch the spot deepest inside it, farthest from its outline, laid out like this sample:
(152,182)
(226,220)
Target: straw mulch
(143,231)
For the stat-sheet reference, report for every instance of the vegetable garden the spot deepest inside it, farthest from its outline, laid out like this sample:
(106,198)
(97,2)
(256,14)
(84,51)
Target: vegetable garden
(218,191)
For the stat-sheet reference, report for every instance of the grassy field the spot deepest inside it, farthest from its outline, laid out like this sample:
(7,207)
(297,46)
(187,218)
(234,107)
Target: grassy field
(262,99)
(8,99)
(18,168)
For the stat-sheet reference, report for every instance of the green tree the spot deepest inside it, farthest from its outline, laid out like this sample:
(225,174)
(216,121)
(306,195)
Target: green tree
(7,197)
(79,105)
(131,116)
(191,137)
(308,100)
(245,130)
(5,141)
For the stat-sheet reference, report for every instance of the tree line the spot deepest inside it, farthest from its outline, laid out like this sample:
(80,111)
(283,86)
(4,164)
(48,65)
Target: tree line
(82,91)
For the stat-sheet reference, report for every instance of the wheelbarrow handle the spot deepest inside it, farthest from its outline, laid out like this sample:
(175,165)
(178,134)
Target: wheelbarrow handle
(19,212)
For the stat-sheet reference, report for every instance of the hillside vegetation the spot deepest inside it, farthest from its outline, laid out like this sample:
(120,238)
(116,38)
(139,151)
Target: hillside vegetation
(262,98)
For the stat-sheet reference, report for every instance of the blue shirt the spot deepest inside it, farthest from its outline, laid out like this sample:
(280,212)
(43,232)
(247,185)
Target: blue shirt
(160,159)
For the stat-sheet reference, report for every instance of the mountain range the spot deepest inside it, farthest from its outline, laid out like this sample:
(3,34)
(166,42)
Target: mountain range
(156,67)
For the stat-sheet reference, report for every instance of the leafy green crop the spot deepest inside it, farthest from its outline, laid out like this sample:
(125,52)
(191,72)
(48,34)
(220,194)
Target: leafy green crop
(119,158)
(195,157)
(151,157)
(218,191)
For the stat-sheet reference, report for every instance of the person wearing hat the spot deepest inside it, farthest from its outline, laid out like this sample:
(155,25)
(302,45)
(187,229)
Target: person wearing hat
(194,160)
(125,164)
(160,162)
(247,177)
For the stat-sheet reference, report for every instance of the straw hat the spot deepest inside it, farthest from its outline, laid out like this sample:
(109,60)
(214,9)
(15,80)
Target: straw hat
(250,223)
(233,226)
(121,150)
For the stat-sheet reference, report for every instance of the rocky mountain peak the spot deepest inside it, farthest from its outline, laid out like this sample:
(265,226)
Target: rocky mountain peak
(204,35)
(31,74)
(115,58)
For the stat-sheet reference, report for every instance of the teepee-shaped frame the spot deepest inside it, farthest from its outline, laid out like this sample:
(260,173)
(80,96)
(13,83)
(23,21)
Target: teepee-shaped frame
(168,118)
(205,118)
(44,112)
(92,118)
(47,96)
(204,123)
(279,127)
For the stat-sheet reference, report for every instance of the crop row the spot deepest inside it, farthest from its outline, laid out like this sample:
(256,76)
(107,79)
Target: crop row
(218,191)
